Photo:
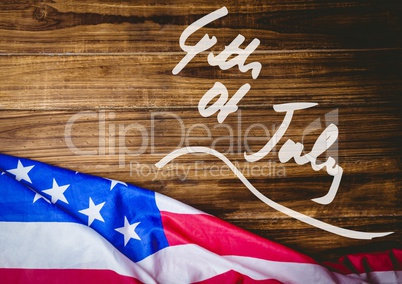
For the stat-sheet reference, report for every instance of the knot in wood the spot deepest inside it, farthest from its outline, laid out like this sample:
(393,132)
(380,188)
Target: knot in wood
(40,13)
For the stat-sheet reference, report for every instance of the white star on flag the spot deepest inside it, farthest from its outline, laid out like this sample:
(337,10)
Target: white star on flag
(93,212)
(128,231)
(115,182)
(38,196)
(21,172)
(57,192)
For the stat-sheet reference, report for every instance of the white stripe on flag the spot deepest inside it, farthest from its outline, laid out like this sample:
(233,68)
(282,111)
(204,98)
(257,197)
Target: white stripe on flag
(69,245)
(377,277)
(165,203)
(50,245)
(191,263)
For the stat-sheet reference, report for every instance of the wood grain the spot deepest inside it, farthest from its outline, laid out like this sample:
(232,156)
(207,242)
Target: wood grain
(143,26)
(140,81)
(91,75)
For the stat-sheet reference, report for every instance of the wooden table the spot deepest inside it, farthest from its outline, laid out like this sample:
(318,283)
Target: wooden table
(88,85)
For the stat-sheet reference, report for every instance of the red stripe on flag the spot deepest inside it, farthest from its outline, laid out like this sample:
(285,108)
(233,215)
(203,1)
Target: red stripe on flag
(63,276)
(235,277)
(223,238)
(390,260)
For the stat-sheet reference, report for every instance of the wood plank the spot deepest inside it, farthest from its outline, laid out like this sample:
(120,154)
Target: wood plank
(96,26)
(141,81)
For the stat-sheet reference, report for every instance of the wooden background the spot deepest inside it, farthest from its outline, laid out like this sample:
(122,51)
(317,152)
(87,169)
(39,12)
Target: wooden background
(114,59)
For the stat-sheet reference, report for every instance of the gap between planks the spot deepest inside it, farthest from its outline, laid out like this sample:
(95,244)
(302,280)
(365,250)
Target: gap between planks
(292,51)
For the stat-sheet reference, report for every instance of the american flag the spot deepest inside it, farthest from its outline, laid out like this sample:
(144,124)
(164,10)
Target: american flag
(62,226)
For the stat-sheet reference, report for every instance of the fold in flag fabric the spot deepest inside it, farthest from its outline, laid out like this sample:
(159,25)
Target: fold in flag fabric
(61,226)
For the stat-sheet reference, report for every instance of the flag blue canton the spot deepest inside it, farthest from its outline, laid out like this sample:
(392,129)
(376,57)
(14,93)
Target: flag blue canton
(125,215)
